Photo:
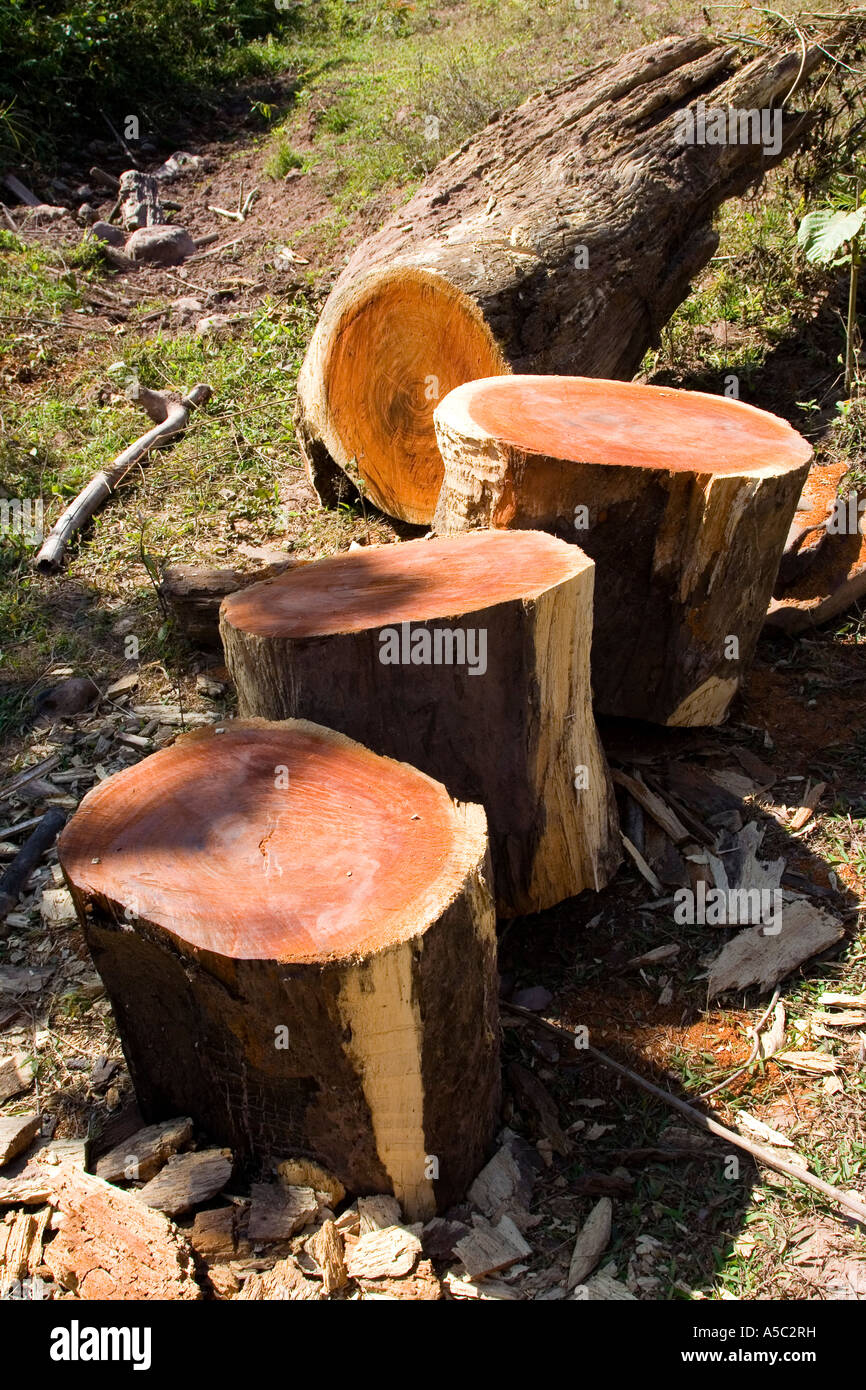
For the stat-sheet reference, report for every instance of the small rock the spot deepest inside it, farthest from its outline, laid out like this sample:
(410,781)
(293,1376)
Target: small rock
(186,308)
(69,697)
(45,215)
(160,244)
(87,214)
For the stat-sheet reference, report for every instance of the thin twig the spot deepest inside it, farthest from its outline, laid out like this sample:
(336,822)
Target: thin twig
(849,1203)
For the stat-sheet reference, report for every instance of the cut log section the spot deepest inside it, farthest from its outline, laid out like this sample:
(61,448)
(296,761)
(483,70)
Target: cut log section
(559,239)
(683,501)
(469,658)
(298,941)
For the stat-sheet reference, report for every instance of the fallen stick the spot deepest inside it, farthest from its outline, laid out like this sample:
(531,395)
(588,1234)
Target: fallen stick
(172,416)
(849,1203)
(25,861)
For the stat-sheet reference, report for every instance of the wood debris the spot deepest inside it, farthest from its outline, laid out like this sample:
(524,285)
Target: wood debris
(188,1179)
(214,1234)
(532,1094)
(756,957)
(591,1242)
(421,1285)
(21,1236)
(489,1248)
(277,1212)
(283,1282)
(808,803)
(327,1249)
(109,1245)
(378,1212)
(384,1254)
(17,1133)
(16,1074)
(140,1158)
(495,1290)
(505,1183)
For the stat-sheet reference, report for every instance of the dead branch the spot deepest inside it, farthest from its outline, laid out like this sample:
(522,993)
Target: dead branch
(171,414)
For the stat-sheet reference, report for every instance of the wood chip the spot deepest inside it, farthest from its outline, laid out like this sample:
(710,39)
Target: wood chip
(420,1286)
(845,1018)
(277,1212)
(16,1075)
(755,957)
(532,1094)
(653,804)
(213,1234)
(304,1172)
(327,1249)
(591,1242)
(285,1281)
(490,1248)
(815,1062)
(806,809)
(378,1212)
(503,1183)
(601,1288)
(486,1289)
(17,1133)
(385,1254)
(641,864)
(21,1236)
(842,1001)
(187,1180)
(140,1158)
(752,1125)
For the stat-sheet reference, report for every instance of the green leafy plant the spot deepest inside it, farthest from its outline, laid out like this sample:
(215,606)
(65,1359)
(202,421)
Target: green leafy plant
(830,236)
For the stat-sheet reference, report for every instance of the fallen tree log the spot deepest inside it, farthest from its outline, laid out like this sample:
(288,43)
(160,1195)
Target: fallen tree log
(468,658)
(298,941)
(558,240)
(683,501)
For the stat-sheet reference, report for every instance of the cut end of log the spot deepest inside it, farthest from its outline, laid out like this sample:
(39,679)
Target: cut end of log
(384,354)
(414,581)
(283,842)
(624,424)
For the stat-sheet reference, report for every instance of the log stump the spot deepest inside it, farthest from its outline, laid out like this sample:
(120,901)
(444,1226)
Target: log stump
(559,239)
(683,501)
(467,657)
(298,940)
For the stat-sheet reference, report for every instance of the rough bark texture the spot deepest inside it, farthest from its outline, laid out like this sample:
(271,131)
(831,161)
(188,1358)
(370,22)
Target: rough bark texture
(308,970)
(559,239)
(518,736)
(682,500)
(193,594)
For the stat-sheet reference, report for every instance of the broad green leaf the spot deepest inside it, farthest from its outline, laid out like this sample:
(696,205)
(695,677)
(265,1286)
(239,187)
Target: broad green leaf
(823,233)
